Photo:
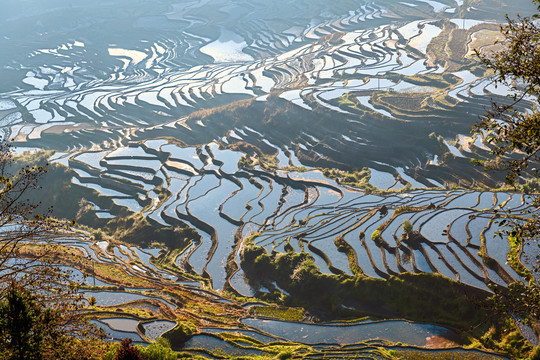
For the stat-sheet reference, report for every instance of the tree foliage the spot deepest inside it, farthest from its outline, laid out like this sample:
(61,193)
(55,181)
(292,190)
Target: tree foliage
(513,130)
(22,326)
(158,350)
(407,226)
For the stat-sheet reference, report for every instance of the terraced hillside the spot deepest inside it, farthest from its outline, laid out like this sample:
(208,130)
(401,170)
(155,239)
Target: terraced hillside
(298,211)
(369,83)
(228,129)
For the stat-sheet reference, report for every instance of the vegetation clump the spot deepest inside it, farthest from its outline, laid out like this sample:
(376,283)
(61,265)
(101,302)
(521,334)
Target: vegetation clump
(353,178)
(417,297)
(407,227)
(272,312)
(181,333)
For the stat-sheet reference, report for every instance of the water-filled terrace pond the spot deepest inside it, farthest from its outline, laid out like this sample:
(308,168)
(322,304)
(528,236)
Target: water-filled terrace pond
(392,330)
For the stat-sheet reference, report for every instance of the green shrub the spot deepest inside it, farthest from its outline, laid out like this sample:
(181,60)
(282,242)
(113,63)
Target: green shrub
(110,355)
(407,226)
(377,238)
(180,334)
(349,179)
(285,355)
(159,350)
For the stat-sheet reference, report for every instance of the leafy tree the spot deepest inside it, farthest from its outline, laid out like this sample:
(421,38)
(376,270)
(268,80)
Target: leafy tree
(509,127)
(514,133)
(407,226)
(19,330)
(158,350)
(32,330)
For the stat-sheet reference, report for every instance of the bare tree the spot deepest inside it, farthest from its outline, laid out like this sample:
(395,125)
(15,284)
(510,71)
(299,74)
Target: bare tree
(38,298)
(20,222)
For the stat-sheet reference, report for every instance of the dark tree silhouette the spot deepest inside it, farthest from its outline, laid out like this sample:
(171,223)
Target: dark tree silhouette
(127,351)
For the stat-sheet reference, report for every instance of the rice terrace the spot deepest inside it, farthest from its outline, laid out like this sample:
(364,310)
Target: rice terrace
(274,179)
